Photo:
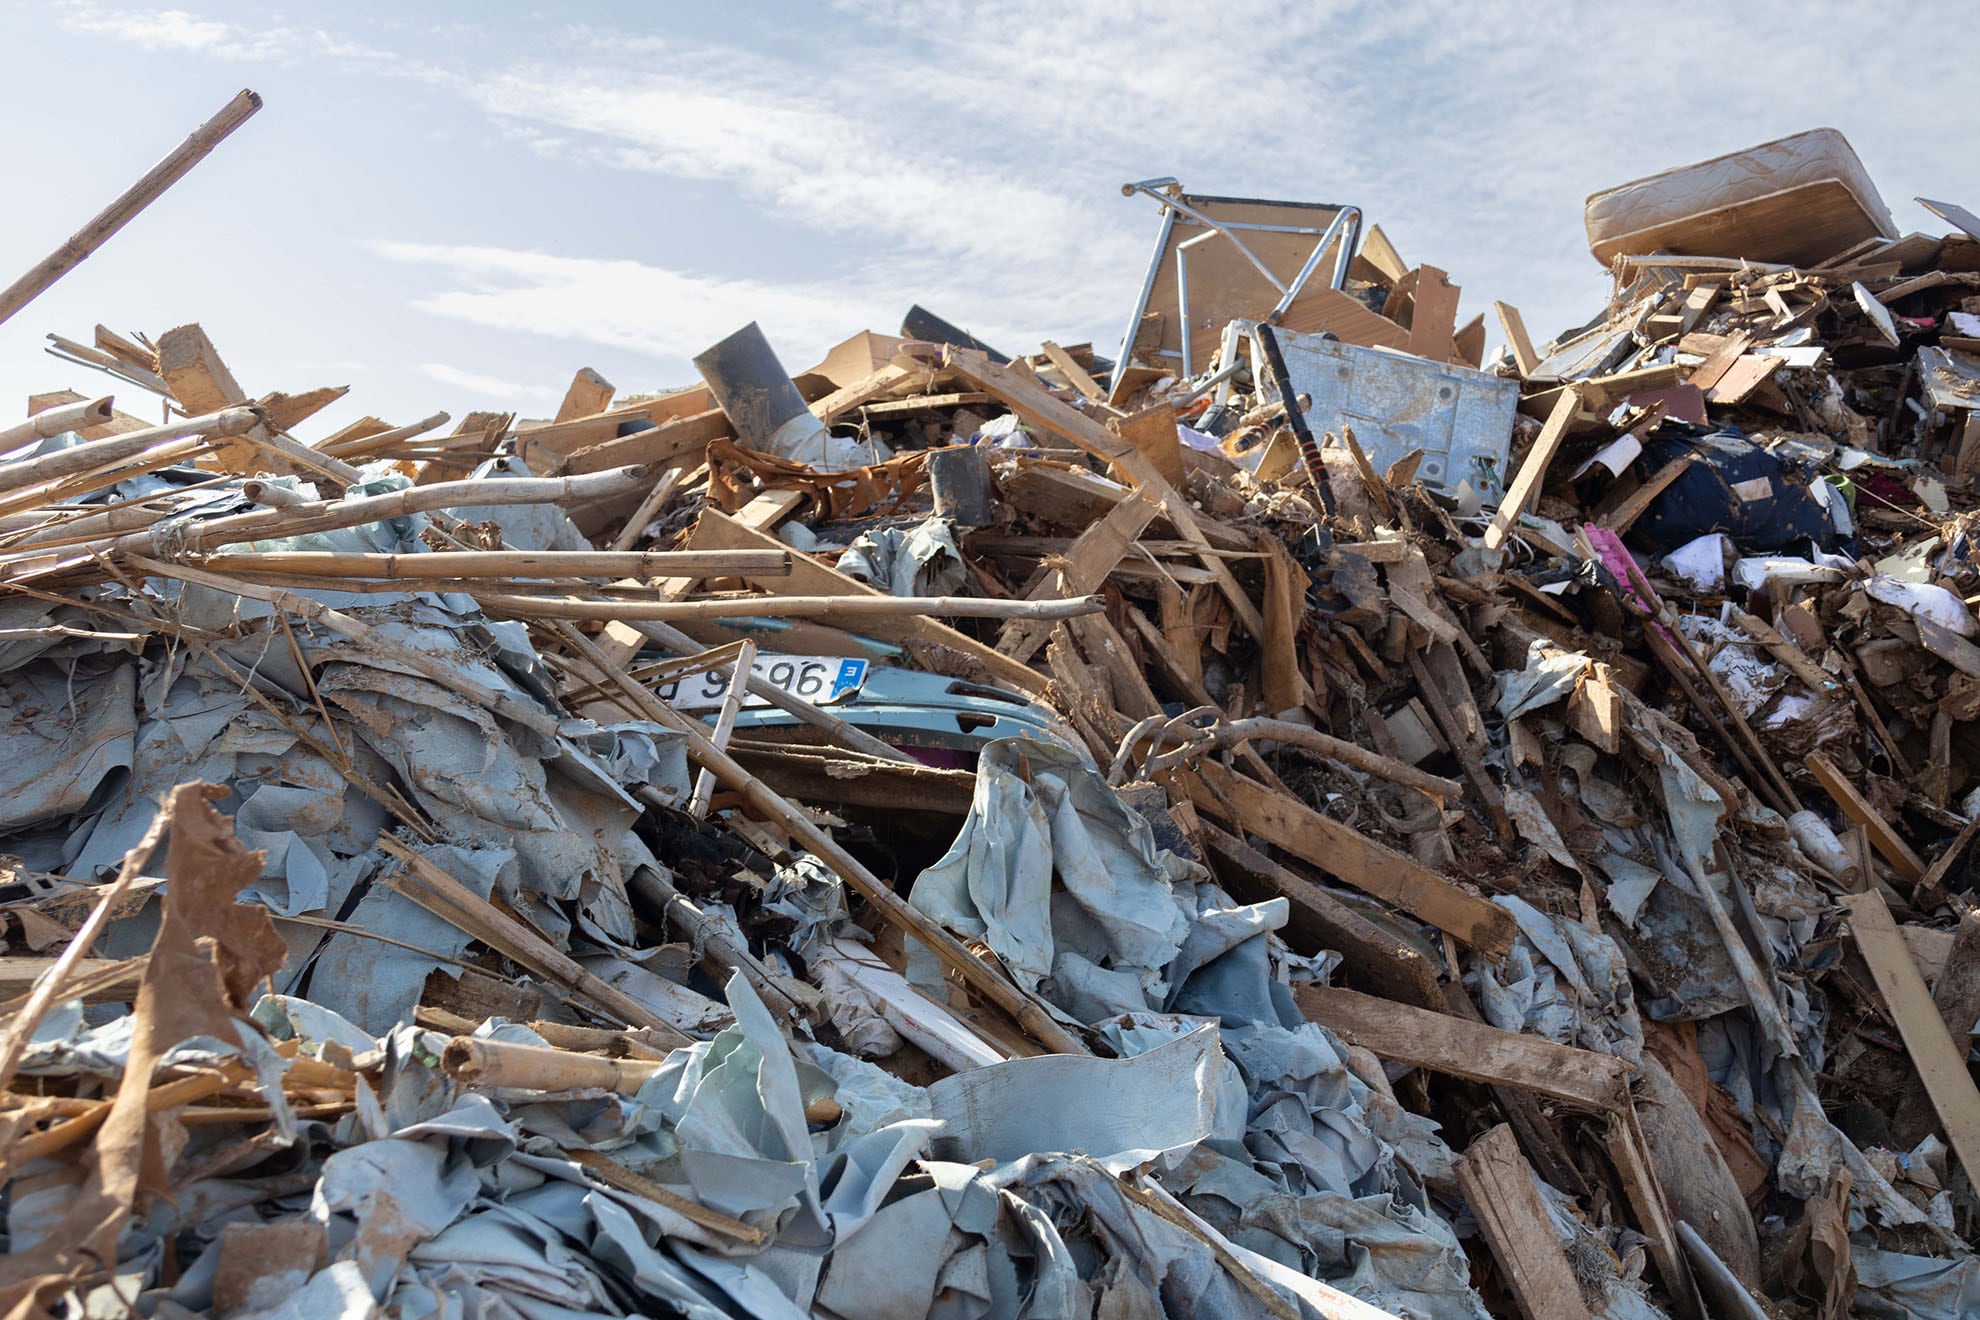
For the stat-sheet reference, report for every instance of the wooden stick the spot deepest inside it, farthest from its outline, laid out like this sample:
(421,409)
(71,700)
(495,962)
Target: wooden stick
(980,976)
(725,724)
(504,564)
(614,1174)
(364,445)
(1300,735)
(54,421)
(327,515)
(133,200)
(793,607)
(453,902)
(1888,841)
(530,716)
(115,449)
(474,1061)
(649,509)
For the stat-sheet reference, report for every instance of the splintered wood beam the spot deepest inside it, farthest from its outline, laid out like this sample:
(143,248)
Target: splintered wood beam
(1350,856)
(192,368)
(589,394)
(1498,1185)
(1940,1063)
(1086,565)
(1076,375)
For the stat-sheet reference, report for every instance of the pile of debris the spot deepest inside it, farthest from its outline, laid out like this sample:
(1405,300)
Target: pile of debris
(1289,817)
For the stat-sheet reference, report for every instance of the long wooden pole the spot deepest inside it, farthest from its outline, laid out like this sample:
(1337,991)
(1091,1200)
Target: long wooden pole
(327,515)
(792,607)
(116,449)
(133,199)
(54,421)
(504,564)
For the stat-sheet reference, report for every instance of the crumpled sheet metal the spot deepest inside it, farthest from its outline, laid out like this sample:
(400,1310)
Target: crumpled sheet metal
(1105,934)
(922,560)
(1323,1175)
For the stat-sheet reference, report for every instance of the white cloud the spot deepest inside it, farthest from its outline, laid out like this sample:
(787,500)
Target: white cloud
(628,305)
(490,386)
(967,155)
(169,29)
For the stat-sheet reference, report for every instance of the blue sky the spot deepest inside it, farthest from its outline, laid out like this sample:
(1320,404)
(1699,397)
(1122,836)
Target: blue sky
(456,205)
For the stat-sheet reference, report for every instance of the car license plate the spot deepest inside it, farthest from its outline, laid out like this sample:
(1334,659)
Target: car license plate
(819,679)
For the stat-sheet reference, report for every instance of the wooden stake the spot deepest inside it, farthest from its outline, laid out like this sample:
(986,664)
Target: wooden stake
(725,724)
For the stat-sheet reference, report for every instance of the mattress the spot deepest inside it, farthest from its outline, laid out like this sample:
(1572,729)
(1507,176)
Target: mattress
(1797,200)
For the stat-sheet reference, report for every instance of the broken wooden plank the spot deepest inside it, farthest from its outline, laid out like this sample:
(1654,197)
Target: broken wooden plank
(1516,338)
(1514,1222)
(1956,993)
(1323,921)
(1076,375)
(1153,432)
(1533,469)
(1433,322)
(1350,856)
(1425,1038)
(1940,1063)
(1886,840)
(1034,404)
(842,401)
(924,403)
(1086,565)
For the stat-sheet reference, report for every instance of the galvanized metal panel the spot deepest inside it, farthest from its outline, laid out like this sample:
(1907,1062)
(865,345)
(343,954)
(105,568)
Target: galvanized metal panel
(1462,419)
